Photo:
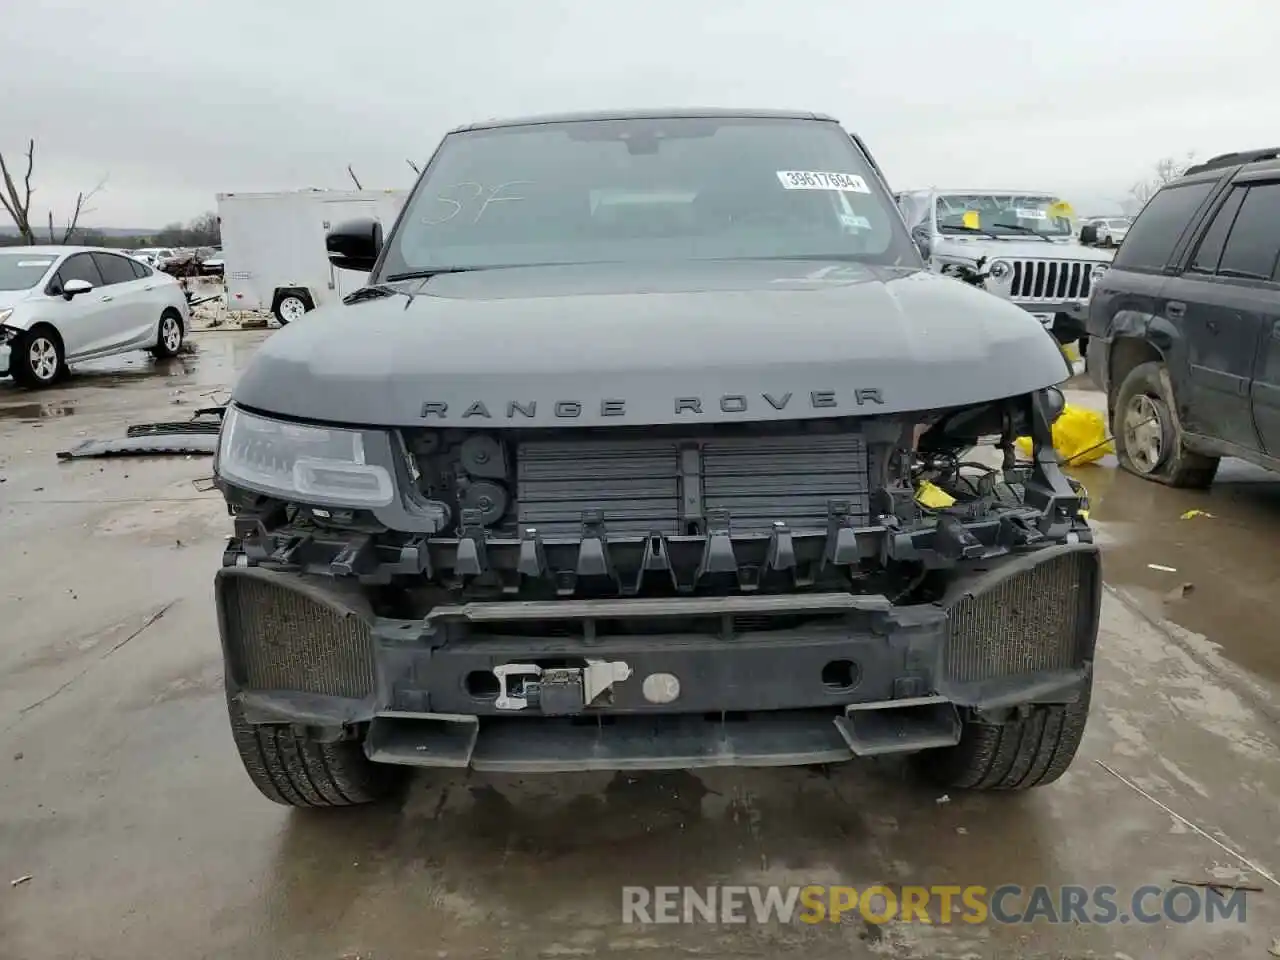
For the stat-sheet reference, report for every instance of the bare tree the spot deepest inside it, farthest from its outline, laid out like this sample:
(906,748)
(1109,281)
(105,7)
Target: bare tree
(1165,170)
(74,221)
(17,202)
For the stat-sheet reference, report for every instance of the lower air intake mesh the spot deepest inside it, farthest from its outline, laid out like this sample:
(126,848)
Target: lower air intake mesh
(285,640)
(1030,622)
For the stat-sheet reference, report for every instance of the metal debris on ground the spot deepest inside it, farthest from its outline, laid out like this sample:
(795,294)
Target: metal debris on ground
(199,435)
(145,446)
(1162,568)
(1190,514)
(1218,885)
(21,880)
(1260,871)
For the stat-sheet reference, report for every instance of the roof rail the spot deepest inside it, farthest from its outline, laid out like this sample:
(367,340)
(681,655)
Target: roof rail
(1233,160)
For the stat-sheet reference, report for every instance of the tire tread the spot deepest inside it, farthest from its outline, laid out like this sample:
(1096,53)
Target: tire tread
(296,771)
(1024,751)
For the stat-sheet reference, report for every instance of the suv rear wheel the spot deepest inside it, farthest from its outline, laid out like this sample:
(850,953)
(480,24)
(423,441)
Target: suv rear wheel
(1031,748)
(292,769)
(1148,439)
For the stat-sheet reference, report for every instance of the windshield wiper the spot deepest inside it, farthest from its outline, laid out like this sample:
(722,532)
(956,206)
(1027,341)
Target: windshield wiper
(966,229)
(430,272)
(375,292)
(1021,229)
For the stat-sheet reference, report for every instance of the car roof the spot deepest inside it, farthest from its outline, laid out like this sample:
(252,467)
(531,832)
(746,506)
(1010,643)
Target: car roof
(660,113)
(52,250)
(1267,158)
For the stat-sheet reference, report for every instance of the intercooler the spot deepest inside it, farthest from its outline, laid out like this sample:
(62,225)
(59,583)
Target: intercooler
(1050,280)
(283,639)
(1025,623)
(670,486)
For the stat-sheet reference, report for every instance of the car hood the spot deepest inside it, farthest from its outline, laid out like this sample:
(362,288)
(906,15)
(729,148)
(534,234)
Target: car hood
(629,344)
(11,298)
(973,248)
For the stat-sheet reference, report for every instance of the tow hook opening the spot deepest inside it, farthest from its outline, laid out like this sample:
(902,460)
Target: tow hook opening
(840,676)
(482,685)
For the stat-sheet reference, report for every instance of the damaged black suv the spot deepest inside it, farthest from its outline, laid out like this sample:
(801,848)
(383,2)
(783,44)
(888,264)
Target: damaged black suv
(618,462)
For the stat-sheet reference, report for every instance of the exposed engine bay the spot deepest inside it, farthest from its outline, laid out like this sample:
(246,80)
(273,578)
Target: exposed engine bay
(773,507)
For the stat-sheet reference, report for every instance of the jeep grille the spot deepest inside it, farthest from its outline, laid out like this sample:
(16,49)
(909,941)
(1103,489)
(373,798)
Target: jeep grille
(1050,280)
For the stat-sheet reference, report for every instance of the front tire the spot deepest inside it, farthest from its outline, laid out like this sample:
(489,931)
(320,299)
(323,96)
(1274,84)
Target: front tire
(292,769)
(169,336)
(37,359)
(1034,747)
(1148,439)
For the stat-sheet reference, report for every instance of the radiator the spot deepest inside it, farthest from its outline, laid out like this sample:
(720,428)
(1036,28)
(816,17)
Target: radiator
(672,485)
(1030,622)
(281,639)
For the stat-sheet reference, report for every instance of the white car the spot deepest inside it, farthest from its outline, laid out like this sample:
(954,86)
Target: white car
(1111,230)
(61,305)
(152,255)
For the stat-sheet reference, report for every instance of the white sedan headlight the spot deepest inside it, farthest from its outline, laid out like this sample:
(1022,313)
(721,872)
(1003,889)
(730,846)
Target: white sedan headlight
(296,462)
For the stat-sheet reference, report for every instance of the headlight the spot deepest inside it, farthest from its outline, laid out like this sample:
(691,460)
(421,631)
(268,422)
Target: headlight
(296,462)
(8,334)
(1099,271)
(1000,270)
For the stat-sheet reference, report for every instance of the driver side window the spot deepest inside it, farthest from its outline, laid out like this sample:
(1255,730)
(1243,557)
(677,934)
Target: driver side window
(77,267)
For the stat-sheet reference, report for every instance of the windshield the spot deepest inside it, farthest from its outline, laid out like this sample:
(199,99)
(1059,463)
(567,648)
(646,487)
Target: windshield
(1003,214)
(647,190)
(22,271)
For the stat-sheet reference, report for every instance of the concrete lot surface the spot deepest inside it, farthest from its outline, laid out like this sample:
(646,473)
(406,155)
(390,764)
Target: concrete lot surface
(124,803)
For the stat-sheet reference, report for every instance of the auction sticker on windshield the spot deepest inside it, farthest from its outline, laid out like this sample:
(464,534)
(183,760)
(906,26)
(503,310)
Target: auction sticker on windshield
(816,180)
(1030,213)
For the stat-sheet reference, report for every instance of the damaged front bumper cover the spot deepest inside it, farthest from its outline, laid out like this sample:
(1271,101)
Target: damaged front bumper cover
(640,683)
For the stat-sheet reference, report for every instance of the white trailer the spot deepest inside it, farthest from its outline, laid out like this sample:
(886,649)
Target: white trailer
(274,251)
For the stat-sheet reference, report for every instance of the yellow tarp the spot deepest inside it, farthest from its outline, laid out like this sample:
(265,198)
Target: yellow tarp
(1079,436)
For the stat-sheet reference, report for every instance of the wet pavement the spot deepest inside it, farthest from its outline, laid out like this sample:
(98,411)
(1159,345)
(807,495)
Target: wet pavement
(123,801)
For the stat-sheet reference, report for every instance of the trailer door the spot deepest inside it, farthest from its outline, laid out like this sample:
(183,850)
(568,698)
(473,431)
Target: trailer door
(335,212)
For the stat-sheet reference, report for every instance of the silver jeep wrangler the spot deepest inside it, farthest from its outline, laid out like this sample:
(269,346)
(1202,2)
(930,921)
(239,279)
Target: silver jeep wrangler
(1022,243)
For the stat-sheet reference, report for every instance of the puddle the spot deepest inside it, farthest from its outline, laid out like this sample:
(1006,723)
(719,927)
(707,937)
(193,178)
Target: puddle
(36,411)
(210,359)
(1222,562)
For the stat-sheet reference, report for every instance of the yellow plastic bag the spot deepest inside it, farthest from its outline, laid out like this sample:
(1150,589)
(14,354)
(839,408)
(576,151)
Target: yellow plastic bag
(1079,436)
(932,496)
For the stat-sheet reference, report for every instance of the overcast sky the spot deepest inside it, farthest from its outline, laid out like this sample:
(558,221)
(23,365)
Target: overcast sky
(178,101)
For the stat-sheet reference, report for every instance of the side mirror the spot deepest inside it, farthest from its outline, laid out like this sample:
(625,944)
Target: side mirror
(354,245)
(73,288)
